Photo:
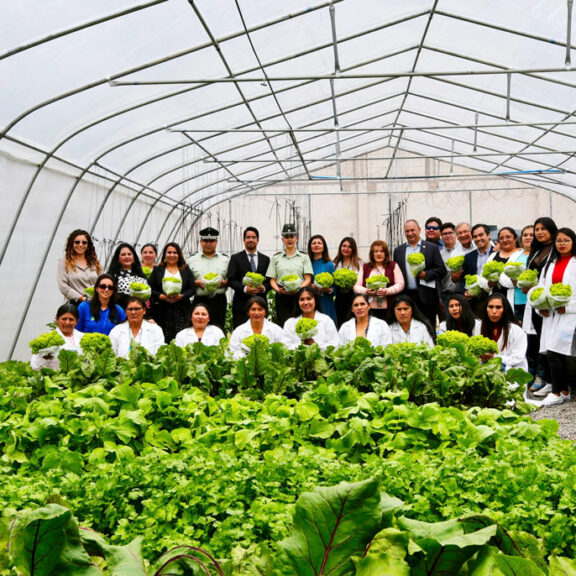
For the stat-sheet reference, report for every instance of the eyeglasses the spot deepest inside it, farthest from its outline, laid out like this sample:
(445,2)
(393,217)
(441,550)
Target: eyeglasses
(430,227)
(106,286)
(134,309)
(83,242)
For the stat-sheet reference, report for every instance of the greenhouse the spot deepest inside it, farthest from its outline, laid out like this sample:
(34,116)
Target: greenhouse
(147,121)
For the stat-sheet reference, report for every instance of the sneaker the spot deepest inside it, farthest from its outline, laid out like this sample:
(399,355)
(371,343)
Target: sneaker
(552,399)
(537,384)
(544,391)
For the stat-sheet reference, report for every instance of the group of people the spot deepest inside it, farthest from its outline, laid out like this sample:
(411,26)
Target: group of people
(411,306)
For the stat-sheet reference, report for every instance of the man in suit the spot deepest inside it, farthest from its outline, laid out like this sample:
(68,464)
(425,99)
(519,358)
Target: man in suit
(474,262)
(425,287)
(249,260)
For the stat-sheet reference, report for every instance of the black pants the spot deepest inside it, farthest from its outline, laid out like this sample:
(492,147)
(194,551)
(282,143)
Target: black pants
(216,307)
(343,303)
(562,371)
(285,307)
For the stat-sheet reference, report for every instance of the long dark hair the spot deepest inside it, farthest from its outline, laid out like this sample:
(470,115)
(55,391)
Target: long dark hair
(354,260)
(181,260)
(539,248)
(416,314)
(356,296)
(311,290)
(95,303)
(115,268)
(508,318)
(567,232)
(90,254)
(325,257)
(467,321)
(68,309)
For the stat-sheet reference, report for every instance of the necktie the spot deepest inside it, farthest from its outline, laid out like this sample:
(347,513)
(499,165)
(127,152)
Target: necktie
(252,263)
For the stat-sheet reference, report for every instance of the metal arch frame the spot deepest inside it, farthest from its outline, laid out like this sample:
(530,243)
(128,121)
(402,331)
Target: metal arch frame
(127,179)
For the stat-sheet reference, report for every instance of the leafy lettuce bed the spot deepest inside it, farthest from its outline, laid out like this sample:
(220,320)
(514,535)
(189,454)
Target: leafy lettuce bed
(140,448)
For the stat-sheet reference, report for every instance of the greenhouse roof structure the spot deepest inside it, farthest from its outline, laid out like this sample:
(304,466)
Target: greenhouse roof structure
(266,91)
(188,103)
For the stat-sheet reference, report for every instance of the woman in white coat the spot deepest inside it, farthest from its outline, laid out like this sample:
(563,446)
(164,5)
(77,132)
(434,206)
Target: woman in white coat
(200,329)
(364,325)
(136,329)
(66,320)
(408,324)
(257,323)
(309,306)
(559,325)
(500,324)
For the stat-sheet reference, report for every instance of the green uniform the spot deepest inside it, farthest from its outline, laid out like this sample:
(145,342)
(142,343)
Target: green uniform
(201,265)
(281,265)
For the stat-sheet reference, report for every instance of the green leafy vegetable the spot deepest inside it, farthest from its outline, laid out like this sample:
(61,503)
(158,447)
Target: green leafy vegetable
(147,271)
(528,279)
(514,269)
(95,343)
(89,291)
(254,339)
(479,345)
(416,258)
(253,279)
(377,281)
(452,338)
(306,328)
(345,278)
(492,270)
(324,279)
(455,263)
(46,340)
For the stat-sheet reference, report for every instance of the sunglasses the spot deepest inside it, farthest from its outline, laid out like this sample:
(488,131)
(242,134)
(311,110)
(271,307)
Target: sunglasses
(429,227)
(83,242)
(106,286)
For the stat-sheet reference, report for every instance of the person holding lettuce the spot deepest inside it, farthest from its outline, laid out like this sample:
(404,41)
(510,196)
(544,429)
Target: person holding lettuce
(364,325)
(257,323)
(559,321)
(172,285)
(288,271)
(308,325)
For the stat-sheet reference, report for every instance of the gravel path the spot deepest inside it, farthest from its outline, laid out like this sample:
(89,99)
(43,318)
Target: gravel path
(565,414)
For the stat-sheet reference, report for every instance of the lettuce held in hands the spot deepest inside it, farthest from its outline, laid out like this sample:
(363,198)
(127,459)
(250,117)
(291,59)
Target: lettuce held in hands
(253,279)
(306,328)
(146,270)
(492,270)
(528,279)
(479,345)
(171,286)
(345,278)
(455,263)
(538,297)
(291,282)
(559,295)
(140,290)
(89,292)
(46,341)
(472,286)
(378,281)
(514,269)
(417,263)
(324,279)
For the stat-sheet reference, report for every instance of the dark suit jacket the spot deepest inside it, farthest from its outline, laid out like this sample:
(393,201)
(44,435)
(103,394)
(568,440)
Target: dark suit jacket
(470,268)
(238,266)
(158,307)
(435,270)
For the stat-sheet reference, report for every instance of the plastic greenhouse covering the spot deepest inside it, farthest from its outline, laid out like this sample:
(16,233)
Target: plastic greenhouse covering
(135,120)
